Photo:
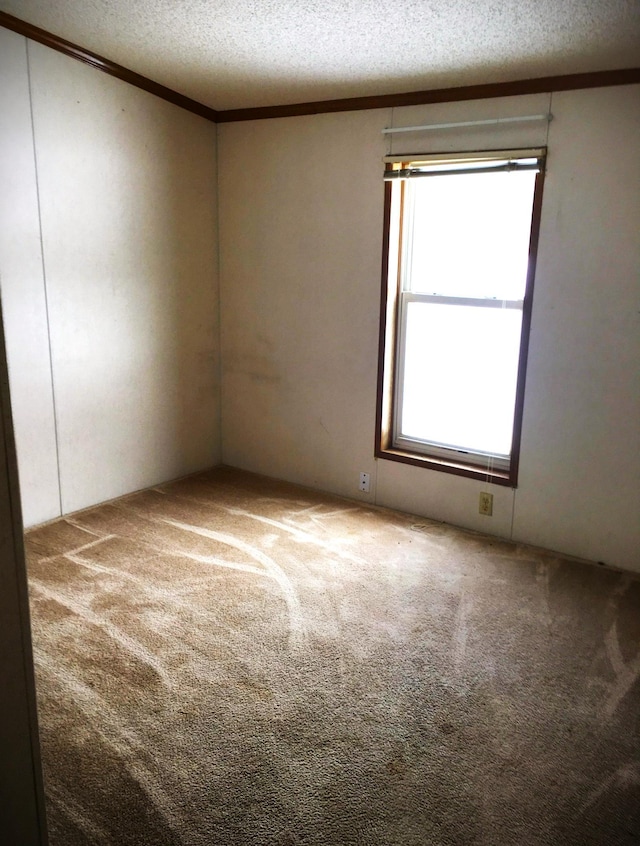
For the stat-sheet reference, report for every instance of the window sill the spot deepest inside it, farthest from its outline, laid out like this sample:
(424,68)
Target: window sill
(496,477)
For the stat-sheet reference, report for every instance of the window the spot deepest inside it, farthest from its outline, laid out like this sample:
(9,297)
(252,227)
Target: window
(459,260)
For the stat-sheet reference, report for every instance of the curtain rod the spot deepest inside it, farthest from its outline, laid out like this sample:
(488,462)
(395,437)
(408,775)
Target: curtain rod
(491,121)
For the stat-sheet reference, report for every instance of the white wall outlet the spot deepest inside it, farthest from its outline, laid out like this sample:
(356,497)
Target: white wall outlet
(485,505)
(365,482)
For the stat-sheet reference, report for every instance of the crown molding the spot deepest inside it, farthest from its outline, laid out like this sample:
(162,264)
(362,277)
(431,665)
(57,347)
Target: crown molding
(105,65)
(537,85)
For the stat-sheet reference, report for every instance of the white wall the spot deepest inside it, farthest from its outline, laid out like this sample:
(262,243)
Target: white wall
(23,290)
(111,301)
(108,277)
(580,470)
(301,276)
(300,239)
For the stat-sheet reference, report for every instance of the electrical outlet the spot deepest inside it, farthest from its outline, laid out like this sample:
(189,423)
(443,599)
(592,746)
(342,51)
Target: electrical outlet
(365,482)
(486,504)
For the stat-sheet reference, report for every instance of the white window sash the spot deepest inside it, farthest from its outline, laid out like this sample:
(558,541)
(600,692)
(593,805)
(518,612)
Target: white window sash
(445,299)
(433,448)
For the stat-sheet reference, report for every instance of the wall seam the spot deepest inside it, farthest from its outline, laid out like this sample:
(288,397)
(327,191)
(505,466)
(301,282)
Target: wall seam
(219,299)
(44,275)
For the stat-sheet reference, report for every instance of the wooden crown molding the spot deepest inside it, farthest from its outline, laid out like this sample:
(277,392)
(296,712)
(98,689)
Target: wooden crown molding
(105,65)
(539,85)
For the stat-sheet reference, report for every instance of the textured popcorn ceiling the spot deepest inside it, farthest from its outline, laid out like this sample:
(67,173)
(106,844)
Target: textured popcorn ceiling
(238,53)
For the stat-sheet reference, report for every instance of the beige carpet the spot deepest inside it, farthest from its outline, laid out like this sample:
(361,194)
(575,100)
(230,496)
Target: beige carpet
(228,660)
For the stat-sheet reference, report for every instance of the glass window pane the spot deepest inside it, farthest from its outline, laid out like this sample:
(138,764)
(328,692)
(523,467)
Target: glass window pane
(460,374)
(470,234)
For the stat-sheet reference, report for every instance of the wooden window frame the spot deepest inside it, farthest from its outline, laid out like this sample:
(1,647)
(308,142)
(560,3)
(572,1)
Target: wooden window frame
(387,357)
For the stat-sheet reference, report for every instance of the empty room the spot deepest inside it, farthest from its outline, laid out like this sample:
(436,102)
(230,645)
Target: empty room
(321,419)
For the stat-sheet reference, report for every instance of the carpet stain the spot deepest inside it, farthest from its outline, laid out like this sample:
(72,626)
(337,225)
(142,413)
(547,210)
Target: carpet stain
(397,766)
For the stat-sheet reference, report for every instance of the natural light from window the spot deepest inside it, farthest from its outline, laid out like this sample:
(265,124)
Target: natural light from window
(464,271)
